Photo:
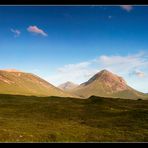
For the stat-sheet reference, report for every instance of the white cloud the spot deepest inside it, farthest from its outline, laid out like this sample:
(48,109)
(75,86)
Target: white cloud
(121,65)
(78,66)
(127,8)
(72,72)
(36,30)
(16,32)
(139,74)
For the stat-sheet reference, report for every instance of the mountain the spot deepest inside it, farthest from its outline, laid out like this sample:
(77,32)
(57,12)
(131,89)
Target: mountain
(107,84)
(67,86)
(17,82)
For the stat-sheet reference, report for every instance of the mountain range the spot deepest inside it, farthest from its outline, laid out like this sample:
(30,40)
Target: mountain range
(103,84)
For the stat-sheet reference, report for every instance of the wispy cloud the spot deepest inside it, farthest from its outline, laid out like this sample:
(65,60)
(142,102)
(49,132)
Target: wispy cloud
(74,72)
(127,8)
(121,65)
(124,64)
(139,74)
(16,32)
(36,30)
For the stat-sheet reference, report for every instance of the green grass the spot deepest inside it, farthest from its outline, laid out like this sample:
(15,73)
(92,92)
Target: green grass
(55,119)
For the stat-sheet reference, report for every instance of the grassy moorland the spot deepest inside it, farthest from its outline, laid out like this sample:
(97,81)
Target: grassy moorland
(55,119)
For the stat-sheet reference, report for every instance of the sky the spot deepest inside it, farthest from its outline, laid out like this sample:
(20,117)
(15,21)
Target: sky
(72,43)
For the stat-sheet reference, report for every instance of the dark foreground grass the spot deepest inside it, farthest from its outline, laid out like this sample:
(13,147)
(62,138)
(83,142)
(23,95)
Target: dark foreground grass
(55,119)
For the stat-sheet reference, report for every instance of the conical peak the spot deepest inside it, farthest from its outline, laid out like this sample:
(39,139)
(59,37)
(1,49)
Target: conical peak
(107,77)
(67,85)
(103,73)
(68,82)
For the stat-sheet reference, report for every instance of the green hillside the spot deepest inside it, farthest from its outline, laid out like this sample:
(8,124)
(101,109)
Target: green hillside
(100,89)
(27,84)
(55,119)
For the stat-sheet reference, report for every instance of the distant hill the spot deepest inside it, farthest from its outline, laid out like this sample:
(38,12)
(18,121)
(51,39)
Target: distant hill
(107,84)
(17,82)
(67,86)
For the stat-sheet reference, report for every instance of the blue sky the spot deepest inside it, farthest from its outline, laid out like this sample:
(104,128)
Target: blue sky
(72,43)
